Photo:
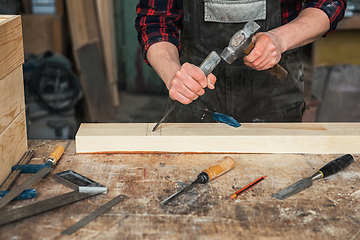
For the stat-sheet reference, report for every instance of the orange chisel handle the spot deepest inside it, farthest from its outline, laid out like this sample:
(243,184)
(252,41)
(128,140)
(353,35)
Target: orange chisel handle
(220,167)
(277,71)
(55,155)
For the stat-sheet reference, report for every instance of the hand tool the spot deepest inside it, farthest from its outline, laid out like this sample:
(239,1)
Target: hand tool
(50,163)
(219,117)
(94,215)
(26,194)
(78,182)
(218,168)
(241,42)
(207,66)
(329,169)
(247,187)
(15,173)
(51,203)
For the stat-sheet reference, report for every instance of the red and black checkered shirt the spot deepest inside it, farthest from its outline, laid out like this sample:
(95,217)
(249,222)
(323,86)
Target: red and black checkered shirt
(159,20)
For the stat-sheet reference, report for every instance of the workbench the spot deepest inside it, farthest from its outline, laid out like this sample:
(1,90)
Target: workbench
(329,209)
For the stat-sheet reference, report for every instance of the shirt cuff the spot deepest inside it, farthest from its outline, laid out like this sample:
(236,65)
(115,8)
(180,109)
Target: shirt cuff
(334,10)
(151,41)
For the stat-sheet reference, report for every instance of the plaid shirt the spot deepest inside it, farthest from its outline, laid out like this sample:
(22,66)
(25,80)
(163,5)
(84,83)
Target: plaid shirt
(161,20)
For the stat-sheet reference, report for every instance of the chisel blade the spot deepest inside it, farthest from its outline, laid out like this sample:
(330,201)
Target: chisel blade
(293,189)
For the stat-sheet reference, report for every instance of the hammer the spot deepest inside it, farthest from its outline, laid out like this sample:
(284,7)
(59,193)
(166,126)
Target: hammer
(241,43)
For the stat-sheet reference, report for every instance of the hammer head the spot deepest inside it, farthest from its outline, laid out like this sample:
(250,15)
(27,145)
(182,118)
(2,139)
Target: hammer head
(239,42)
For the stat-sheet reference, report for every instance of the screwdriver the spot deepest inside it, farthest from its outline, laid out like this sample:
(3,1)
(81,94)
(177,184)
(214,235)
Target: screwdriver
(218,168)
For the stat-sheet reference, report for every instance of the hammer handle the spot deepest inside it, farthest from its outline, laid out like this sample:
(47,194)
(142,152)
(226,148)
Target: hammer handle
(277,71)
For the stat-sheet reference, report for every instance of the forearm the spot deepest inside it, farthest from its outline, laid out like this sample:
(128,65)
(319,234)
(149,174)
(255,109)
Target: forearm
(164,58)
(311,24)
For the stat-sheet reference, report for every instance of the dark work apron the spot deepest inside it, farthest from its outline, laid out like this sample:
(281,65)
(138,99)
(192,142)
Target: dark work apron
(240,91)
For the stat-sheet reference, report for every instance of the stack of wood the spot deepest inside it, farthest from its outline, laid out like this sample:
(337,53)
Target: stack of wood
(13,137)
(93,42)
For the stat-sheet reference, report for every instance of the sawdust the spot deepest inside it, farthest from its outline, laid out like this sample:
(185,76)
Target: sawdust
(199,201)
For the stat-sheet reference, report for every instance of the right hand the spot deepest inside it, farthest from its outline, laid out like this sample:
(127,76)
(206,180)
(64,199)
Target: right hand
(189,83)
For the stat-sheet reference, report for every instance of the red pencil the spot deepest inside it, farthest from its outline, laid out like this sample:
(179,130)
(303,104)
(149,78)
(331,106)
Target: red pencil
(247,187)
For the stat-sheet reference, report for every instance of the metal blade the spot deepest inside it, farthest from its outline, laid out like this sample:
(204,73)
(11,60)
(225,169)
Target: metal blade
(166,114)
(178,193)
(42,206)
(93,215)
(293,189)
(30,181)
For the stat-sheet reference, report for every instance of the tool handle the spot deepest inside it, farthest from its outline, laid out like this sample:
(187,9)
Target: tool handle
(55,155)
(210,62)
(336,165)
(277,71)
(220,167)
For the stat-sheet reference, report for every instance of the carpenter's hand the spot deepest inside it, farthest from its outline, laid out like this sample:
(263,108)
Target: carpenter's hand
(266,53)
(189,83)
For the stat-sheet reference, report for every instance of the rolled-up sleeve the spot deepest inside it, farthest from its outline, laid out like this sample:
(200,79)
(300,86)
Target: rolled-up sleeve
(335,9)
(158,21)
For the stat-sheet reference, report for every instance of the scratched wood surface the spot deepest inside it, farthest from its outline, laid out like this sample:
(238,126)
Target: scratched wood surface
(330,209)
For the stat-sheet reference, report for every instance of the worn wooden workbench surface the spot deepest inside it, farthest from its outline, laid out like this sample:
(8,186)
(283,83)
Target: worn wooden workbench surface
(330,209)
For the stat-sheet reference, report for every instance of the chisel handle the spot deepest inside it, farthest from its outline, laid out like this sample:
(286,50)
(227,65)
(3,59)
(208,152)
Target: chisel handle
(220,167)
(55,155)
(277,71)
(336,165)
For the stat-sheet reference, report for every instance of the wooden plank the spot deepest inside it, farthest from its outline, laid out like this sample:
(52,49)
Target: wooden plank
(42,33)
(107,30)
(319,138)
(77,22)
(92,77)
(13,144)
(11,97)
(11,44)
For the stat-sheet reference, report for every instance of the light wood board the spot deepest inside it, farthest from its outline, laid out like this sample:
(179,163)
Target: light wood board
(319,138)
(11,97)
(13,144)
(11,44)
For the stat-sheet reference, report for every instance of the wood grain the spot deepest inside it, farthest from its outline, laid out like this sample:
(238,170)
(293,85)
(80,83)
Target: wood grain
(11,97)
(330,209)
(11,44)
(319,138)
(13,144)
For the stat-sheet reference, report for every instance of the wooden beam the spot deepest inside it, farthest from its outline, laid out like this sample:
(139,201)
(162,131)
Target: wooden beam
(13,144)
(11,44)
(317,138)
(11,97)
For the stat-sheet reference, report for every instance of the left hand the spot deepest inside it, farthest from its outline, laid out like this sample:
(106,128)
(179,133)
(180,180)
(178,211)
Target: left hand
(266,53)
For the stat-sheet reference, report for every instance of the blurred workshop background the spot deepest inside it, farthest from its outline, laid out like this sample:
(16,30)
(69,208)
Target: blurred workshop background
(83,64)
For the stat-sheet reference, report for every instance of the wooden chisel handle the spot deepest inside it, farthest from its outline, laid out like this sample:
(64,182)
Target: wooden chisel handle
(277,71)
(220,167)
(55,155)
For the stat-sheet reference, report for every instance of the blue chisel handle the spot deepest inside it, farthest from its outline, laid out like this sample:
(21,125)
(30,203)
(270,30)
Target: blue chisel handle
(26,194)
(226,119)
(30,168)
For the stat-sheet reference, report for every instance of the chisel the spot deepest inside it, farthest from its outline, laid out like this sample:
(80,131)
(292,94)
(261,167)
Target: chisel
(329,169)
(218,168)
(207,66)
(50,163)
